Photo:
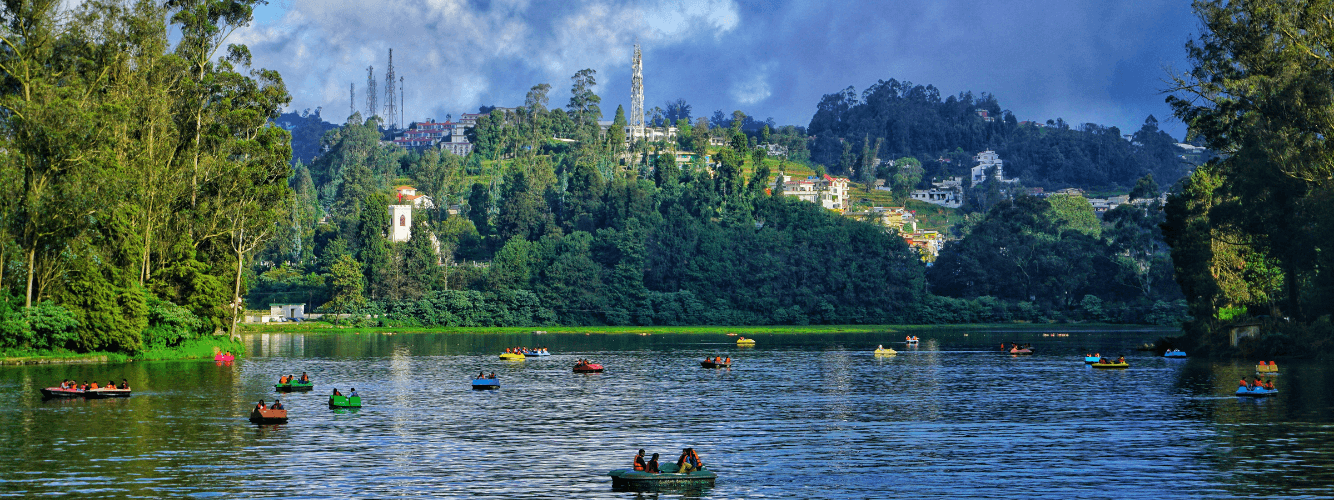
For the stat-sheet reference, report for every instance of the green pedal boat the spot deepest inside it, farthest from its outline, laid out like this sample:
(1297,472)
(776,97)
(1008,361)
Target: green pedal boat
(294,386)
(633,480)
(341,401)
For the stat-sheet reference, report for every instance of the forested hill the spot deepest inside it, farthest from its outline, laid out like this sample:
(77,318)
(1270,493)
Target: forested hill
(915,121)
(307,129)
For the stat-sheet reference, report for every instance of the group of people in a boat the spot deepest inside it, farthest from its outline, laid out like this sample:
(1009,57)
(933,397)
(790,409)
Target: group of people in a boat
(719,360)
(86,386)
(910,339)
(351,394)
(583,362)
(1015,346)
(483,375)
(1107,361)
(1256,383)
(287,379)
(688,462)
(277,405)
(525,351)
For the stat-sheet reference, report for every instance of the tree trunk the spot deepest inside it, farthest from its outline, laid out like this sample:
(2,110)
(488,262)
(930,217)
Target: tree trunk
(236,293)
(32,265)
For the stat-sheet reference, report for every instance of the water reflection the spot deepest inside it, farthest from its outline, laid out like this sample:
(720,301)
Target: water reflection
(798,416)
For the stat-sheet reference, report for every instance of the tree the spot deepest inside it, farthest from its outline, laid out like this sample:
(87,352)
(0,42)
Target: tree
(583,106)
(1145,188)
(346,286)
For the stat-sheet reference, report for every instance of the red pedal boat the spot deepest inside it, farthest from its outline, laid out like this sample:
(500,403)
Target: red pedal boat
(588,368)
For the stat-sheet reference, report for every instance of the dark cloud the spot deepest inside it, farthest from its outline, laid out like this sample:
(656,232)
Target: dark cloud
(1097,61)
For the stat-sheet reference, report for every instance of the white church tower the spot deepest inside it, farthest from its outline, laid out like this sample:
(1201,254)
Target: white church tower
(400,223)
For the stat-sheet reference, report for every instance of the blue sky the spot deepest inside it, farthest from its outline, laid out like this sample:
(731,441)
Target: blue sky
(1098,61)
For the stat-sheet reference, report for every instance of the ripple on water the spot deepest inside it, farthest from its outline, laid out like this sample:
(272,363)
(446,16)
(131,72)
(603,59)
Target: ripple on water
(809,420)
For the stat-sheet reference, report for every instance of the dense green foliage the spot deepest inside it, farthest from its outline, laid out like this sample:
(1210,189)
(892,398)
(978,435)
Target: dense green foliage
(1251,232)
(139,172)
(914,121)
(1044,259)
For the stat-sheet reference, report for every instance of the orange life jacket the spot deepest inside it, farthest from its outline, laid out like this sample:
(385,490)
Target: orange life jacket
(94,386)
(639,463)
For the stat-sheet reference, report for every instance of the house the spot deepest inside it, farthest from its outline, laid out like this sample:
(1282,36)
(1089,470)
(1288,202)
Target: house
(927,243)
(777,150)
(828,192)
(947,193)
(987,160)
(409,194)
(447,135)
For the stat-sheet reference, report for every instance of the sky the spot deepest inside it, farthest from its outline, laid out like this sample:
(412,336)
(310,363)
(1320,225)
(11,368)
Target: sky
(1098,61)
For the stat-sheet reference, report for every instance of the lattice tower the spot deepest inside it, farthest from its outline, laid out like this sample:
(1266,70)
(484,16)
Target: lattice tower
(370,92)
(391,102)
(637,97)
(352,99)
(402,120)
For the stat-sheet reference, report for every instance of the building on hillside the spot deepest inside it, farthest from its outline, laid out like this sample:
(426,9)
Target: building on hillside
(927,243)
(1192,154)
(947,193)
(408,194)
(777,150)
(828,192)
(985,115)
(400,223)
(897,218)
(985,161)
(446,136)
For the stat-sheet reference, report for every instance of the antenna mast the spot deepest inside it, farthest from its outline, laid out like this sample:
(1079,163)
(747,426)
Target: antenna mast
(391,103)
(637,97)
(352,99)
(370,92)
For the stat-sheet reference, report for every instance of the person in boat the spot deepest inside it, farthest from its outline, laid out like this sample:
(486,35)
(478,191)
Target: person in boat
(305,379)
(1121,359)
(727,361)
(260,406)
(1245,384)
(352,393)
(336,393)
(125,384)
(652,466)
(277,405)
(640,464)
(688,462)
(93,387)
(492,375)
(480,375)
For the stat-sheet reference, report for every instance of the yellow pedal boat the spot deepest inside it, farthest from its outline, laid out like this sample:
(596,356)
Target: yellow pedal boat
(745,341)
(512,356)
(1110,365)
(885,352)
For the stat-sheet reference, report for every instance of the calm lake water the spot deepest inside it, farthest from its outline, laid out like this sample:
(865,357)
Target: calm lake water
(797,416)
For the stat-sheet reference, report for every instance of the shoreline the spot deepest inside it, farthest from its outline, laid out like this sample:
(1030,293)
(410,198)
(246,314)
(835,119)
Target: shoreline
(194,349)
(325,328)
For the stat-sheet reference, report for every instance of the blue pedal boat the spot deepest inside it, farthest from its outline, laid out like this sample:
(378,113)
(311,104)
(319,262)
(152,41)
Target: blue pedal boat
(485,384)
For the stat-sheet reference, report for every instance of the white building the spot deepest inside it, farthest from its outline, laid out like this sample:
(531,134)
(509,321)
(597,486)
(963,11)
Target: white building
(947,193)
(828,192)
(400,223)
(986,160)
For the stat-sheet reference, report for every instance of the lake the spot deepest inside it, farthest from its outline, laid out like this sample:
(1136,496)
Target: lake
(797,416)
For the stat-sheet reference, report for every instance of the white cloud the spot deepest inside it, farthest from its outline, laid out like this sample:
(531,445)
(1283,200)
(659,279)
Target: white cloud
(454,56)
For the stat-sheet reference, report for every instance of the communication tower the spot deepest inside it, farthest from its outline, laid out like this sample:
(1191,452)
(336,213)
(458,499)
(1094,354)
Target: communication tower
(402,119)
(390,102)
(637,98)
(352,99)
(370,92)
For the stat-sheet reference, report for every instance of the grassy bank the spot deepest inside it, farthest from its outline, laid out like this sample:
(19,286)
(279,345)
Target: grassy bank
(201,348)
(320,327)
